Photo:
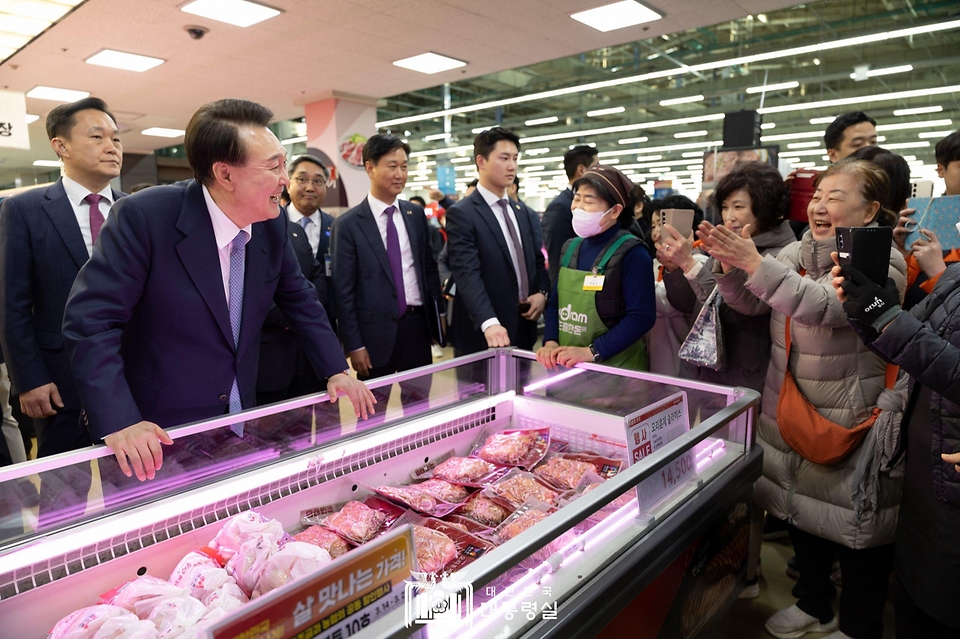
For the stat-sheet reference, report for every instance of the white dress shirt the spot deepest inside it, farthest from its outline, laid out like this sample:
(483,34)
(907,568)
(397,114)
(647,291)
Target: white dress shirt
(311,228)
(411,287)
(224,230)
(75,193)
(492,200)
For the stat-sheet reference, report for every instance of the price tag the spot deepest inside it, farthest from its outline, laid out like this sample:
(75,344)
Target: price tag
(651,428)
(339,600)
(593,283)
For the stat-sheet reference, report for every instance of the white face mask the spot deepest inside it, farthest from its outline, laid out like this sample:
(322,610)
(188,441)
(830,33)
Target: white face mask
(587,224)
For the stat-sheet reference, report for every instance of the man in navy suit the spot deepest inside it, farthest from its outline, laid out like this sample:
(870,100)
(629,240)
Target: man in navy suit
(162,323)
(502,285)
(387,284)
(558,218)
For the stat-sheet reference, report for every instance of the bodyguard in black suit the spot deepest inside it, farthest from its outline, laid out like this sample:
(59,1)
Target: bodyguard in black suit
(46,235)
(387,284)
(162,324)
(502,285)
(558,218)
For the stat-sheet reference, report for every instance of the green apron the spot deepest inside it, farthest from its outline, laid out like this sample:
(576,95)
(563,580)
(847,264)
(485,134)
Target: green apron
(580,323)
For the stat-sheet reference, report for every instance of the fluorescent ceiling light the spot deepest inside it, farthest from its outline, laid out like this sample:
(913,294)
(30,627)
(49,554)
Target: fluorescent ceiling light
(32,118)
(657,149)
(639,140)
(872,73)
(240,13)
(824,120)
(436,136)
(705,66)
(590,144)
(125,61)
(429,63)
(768,125)
(299,138)
(535,168)
(161,132)
(690,134)
(459,160)
(689,98)
(536,151)
(861,99)
(914,125)
(692,154)
(694,166)
(622,128)
(610,111)
(791,136)
(649,158)
(537,121)
(58,95)
(618,15)
(447,149)
(774,87)
(918,110)
(612,161)
(22,25)
(46,162)
(539,160)
(802,145)
(934,134)
(881,138)
(813,152)
(481,129)
(907,145)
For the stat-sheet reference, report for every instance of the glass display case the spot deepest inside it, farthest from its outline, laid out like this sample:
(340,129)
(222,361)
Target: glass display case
(663,540)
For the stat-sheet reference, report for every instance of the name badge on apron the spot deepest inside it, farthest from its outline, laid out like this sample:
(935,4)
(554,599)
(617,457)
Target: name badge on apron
(593,283)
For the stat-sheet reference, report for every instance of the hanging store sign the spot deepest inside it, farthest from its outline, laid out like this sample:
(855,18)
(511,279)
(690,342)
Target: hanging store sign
(13,121)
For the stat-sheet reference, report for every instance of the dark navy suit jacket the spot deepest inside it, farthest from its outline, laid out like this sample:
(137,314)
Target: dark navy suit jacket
(41,252)
(483,271)
(557,229)
(365,291)
(147,324)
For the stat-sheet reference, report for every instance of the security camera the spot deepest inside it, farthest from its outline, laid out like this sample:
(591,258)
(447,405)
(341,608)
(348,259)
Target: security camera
(196,32)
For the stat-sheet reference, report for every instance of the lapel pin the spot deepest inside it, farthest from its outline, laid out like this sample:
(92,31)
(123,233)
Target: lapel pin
(518,206)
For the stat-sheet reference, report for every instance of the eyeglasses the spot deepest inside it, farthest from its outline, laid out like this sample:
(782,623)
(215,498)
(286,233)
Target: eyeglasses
(318,182)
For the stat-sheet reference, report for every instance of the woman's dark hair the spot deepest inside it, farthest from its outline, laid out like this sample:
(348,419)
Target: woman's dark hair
(872,182)
(213,134)
(769,195)
(897,170)
(605,193)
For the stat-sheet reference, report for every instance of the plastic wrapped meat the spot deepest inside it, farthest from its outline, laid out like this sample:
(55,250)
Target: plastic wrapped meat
(228,596)
(522,522)
(247,563)
(173,615)
(417,500)
(356,521)
(434,549)
(294,560)
(443,490)
(484,510)
(320,536)
(140,595)
(199,573)
(522,486)
(102,622)
(242,527)
(563,473)
(516,447)
(463,470)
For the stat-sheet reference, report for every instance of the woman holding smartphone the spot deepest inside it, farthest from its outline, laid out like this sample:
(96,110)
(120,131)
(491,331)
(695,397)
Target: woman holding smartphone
(603,302)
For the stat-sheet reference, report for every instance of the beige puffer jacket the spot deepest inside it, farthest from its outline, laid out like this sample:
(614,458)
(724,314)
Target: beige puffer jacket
(836,373)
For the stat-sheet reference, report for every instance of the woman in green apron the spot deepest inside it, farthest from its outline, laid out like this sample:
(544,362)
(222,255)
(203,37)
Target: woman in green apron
(603,302)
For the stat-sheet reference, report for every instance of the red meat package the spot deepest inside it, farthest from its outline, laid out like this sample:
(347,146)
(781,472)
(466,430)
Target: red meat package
(102,621)
(443,490)
(469,471)
(465,523)
(607,466)
(529,514)
(484,510)
(469,546)
(326,539)
(562,473)
(514,447)
(434,549)
(517,487)
(242,527)
(419,501)
(360,522)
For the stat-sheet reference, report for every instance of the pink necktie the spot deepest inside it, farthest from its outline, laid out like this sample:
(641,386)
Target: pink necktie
(96,217)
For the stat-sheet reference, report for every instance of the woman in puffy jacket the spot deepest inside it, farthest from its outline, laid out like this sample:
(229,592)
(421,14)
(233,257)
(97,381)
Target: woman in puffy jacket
(924,342)
(842,379)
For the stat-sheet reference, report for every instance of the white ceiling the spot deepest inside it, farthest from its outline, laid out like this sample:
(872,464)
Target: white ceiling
(312,50)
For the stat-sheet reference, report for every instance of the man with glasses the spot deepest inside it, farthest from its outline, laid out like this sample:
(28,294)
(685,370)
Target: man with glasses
(284,371)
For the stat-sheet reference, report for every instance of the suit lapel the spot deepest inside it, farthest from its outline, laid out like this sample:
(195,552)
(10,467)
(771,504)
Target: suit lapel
(370,232)
(253,283)
(60,211)
(486,214)
(416,242)
(198,252)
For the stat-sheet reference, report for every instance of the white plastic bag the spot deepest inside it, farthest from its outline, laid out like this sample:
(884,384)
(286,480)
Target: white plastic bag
(173,615)
(199,573)
(247,563)
(295,560)
(102,622)
(242,527)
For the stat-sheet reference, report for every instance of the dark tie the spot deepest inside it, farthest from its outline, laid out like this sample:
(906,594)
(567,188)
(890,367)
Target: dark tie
(393,255)
(237,261)
(521,265)
(96,217)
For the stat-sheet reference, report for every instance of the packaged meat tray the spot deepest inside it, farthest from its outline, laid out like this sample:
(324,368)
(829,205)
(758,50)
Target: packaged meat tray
(434,549)
(514,447)
(360,522)
(470,547)
(326,539)
(465,523)
(443,490)
(561,472)
(469,471)
(484,510)
(606,466)
(417,500)
(529,514)
(518,486)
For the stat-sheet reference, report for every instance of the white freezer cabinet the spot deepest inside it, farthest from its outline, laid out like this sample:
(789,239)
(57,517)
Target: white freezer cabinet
(663,541)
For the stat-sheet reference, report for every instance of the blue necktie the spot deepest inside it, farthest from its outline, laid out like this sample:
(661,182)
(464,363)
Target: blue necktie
(304,221)
(237,261)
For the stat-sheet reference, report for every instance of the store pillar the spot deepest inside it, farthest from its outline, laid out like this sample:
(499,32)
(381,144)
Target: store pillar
(336,131)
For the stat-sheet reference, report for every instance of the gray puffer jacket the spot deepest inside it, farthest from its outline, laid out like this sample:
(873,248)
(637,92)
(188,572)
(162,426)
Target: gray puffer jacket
(835,372)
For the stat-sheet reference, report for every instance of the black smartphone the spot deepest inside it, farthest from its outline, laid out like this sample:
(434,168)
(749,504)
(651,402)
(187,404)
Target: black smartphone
(524,307)
(868,249)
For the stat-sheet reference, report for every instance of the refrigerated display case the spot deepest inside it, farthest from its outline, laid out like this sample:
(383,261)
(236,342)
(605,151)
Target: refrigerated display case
(657,550)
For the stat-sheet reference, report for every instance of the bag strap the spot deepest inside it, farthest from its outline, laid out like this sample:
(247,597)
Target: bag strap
(602,264)
(574,245)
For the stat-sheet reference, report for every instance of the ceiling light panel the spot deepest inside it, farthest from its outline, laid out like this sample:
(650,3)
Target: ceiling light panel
(611,111)
(240,13)
(860,99)
(918,110)
(436,136)
(914,125)
(691,134)
(618,15)
(824,120)
(793,84)
(160,132)
(872,73)
(57,95)
(124,61)
(536,121)
(50,163)
(430,63)
(32,118)
(936,135)
(689,98)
